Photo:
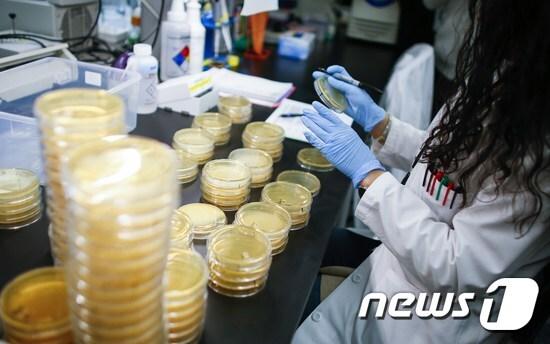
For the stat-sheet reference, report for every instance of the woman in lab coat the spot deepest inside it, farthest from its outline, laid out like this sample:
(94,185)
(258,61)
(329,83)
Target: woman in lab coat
(475,207)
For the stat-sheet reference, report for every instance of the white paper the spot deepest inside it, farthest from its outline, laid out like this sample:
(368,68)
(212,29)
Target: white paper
(293,126)
(258,90)
(251,7)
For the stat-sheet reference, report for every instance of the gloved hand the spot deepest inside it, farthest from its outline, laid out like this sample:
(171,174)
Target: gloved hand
(360,107)
(339,143)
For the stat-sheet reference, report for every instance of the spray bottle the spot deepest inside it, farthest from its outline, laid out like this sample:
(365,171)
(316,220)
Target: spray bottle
(175,43)
(198,33)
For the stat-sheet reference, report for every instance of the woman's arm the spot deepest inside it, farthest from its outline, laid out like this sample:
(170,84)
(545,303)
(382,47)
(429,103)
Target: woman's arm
(481,246)
(401,146)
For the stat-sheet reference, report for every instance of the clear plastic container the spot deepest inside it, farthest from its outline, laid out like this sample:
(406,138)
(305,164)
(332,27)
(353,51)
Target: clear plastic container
(306,179)
(205,219)
(265,136)
(294,198)
(121,193)
(22,85)
(34,309)
(218,125)
(238,108)
(311,159)
(259,162)
(195,144)
(239,258)
(225,183)
(268,218)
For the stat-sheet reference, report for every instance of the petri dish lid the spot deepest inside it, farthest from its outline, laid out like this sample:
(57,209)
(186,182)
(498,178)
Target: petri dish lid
(264,132)
(79,106)
(120,163)
(196,137)
(239,246)
(181,226)
(234,102)
(203,216)
(311,158)
(186,165)
(213,121)
(269,218)
(306,179)
(226,173)
(16,183)
(287,195)
(330,96)
(186,273)
(253,158)
(36,300)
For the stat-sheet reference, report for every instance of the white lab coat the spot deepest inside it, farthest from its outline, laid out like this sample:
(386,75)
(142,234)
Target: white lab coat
(426,248)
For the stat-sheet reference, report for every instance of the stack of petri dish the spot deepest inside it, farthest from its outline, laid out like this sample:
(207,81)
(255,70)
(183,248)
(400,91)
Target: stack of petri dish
(239,258)
(265,136)
(185,293)
(294,198)
(218,125)
(68,118)
(330,96)
(238,108)
(306,179)
(225,183)
(205,219)
(34,309)
(259,162)
(311,159)
(194,143)
(122,193)
(269,219)
(187,170)
(181,234)
(20,199)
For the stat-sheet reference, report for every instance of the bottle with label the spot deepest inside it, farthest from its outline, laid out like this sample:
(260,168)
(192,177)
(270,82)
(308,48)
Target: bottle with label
(198,33)
(147,66)
(175,43)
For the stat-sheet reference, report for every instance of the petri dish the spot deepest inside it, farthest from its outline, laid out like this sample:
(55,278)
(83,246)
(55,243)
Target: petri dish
(259,162)
(34,306)
(238,108)
(16,183)
(216,124)
(330,96)
(194,143)
(262,132)
(268,218)
(311,159)
(306,179)
(187,170)
(205,219)
(226,174)
(186,277)
(294,198)
(181,233)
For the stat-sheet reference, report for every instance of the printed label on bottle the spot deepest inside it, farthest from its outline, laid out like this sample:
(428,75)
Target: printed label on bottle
(178,53)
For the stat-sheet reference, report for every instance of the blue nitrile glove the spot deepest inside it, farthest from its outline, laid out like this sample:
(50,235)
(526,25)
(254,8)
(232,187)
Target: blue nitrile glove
(339,143)
(360,107)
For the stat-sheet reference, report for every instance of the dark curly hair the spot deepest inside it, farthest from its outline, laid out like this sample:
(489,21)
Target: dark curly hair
(497,126)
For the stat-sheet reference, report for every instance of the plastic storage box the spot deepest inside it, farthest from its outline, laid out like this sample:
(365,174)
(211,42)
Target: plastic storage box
(20,86)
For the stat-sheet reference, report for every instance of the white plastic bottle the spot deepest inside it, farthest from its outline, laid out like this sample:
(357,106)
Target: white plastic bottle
(175,43)
(147,66)
(198,33)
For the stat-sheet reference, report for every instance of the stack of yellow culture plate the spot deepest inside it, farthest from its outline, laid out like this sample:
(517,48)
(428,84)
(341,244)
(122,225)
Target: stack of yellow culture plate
(225,183)
(33,308)
(187,170)
(122,192)
(238,108)
(294,198)
(311,159)
(306,179)
(259,162)
(268,218)
(195,144)
(239,258)
(20,201)
(181,234)
(68,118)
(185,296)
(205,219)
(265,136)
(218,125)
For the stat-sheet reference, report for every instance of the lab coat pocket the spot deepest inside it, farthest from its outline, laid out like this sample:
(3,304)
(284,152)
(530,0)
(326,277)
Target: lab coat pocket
(441,194)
